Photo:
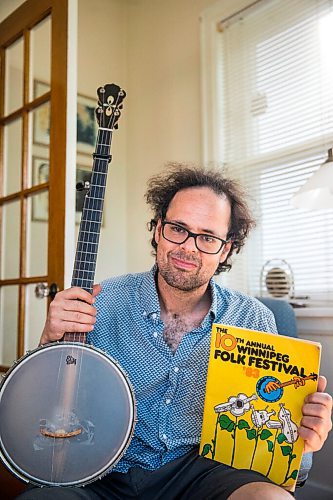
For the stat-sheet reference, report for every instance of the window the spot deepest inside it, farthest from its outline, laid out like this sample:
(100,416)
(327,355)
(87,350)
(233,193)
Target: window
(269,120)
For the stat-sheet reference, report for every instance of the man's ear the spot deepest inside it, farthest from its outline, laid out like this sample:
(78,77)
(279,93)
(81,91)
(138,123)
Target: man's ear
(157,233)
(225,251)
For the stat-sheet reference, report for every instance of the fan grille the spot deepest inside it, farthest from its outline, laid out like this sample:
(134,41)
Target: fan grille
(277,278)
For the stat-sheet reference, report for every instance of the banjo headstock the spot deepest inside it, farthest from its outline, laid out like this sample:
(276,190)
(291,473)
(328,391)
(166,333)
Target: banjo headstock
(110,98)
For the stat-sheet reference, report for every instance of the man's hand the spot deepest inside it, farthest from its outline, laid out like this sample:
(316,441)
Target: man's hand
(317,418)
(71,310)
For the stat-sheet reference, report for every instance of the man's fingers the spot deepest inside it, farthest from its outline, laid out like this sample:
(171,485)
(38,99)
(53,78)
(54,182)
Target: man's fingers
(78,317)
(312,440)
(75,293)
(96,289)
(316,421)
(79,307)
(77,327)
(322,383)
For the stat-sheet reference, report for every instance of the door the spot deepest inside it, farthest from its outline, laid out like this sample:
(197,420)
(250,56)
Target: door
(33,58)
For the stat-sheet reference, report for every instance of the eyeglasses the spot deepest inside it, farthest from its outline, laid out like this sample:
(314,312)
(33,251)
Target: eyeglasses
(206,243)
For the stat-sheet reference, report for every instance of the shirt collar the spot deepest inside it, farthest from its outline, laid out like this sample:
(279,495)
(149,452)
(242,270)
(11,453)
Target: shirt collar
(150,301)
(149,297)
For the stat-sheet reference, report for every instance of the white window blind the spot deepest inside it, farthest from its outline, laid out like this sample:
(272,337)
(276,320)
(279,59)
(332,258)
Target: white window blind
(274,122)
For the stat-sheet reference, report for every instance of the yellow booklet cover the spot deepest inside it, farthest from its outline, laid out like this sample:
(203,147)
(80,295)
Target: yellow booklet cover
(256,385)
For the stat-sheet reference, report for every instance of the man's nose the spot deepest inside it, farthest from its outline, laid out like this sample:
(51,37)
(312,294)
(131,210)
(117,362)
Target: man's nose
(189,244)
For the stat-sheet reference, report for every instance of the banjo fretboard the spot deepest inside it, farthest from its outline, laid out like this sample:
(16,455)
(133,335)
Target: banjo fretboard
(91,219)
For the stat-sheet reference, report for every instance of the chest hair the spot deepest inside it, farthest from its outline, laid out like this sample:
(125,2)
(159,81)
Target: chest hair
(176,326)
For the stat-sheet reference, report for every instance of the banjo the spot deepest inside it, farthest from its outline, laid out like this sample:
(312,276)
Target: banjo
(67,410)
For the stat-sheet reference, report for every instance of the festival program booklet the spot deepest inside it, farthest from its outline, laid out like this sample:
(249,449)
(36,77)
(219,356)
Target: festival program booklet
(256,385)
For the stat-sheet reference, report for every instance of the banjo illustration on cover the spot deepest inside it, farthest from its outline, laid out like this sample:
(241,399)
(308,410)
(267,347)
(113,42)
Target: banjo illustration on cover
(56,429)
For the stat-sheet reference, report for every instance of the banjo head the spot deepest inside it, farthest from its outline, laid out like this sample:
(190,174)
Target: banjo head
(67,417)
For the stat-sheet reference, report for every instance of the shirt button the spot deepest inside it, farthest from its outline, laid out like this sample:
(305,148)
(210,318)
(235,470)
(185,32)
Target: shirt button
(164,437)
(167,401)
(176,369)
(154,316)
(155,334)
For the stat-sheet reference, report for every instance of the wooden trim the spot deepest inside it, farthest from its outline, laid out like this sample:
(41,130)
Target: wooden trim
(17,25)
(24,185)
(3,368)
(58,138)
(24,193)
(25,108)
(23,280)
(2,86)
(26,66)
(2,79)
(21,321)
(25,16)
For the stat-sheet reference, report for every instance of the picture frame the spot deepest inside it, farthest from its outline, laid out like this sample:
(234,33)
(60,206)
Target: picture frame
(40,202)
(86,124)
(41,116)
(85,120)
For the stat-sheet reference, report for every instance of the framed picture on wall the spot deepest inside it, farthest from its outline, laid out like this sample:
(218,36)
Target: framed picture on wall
(40,202)
(41,116)
(86,124)
(85,118)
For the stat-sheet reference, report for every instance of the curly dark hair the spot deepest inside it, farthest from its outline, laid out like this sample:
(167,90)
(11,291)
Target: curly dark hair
(163,187)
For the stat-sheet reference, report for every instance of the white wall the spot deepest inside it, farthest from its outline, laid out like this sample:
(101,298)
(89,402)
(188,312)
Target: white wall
(102,58)
(164,105)
(7,7)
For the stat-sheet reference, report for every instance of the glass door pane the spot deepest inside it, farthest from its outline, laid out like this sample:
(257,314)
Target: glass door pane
(14,76)
(9,306)
(37,234)
(40,58)
(41,126)
(36,310)
(12,177)
(10,240)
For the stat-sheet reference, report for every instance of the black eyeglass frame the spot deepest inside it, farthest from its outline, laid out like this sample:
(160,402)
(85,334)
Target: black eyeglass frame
(190,234)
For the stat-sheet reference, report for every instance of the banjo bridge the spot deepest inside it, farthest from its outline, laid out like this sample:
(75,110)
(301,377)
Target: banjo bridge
(61,426)
(60,433)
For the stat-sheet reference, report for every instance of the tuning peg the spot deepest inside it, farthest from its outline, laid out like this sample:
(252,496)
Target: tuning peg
(82,185)
(43,290)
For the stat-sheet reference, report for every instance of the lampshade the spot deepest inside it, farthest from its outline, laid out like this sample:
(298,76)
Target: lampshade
(317,192)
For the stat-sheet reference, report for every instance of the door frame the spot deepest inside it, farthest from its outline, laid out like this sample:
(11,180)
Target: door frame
(16,25)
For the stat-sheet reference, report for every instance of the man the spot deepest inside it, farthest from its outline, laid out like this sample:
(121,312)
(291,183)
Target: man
(200,219)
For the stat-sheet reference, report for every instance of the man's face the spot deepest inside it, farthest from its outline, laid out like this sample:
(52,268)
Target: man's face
(199,210)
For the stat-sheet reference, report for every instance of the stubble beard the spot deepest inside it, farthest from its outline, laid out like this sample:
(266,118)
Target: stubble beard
(186,281)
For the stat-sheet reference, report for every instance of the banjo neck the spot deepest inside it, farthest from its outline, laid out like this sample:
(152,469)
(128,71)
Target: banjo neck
(107,114)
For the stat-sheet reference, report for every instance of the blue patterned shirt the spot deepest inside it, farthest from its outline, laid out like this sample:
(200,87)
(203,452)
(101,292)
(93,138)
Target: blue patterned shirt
(169,388)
